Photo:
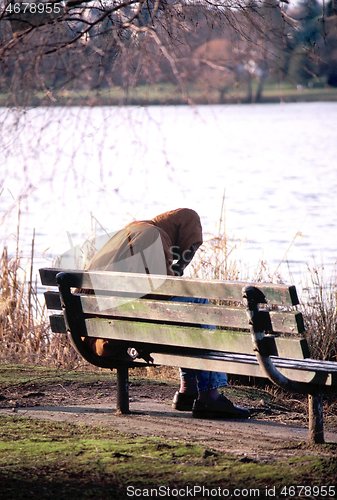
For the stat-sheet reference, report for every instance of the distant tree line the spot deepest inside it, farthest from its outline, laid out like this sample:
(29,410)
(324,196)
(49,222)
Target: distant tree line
(78,45)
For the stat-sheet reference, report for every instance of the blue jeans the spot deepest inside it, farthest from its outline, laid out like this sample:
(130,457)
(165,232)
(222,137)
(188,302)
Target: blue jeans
(204,380)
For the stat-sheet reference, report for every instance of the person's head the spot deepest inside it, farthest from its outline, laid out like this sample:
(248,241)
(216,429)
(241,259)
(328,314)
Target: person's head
(184,229)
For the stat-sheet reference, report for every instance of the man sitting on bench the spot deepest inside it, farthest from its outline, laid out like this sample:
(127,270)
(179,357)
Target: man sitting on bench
(165,245)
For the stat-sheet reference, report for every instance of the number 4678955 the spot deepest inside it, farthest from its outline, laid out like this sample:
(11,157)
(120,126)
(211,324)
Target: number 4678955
(34,8)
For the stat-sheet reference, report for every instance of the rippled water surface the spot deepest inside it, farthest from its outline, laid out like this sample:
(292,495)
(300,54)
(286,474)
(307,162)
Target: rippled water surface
(78,169)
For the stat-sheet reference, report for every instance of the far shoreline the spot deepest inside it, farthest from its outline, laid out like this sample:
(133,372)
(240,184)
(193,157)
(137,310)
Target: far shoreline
(166,95)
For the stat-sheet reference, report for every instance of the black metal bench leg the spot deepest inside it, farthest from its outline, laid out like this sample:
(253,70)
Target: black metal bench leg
(122,406)
(316,427)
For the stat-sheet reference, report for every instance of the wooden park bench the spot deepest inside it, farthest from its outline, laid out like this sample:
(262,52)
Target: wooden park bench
(256,329)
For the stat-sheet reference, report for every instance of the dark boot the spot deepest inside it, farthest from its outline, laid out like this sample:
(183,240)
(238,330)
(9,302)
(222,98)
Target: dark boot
(183,401)
(219,408)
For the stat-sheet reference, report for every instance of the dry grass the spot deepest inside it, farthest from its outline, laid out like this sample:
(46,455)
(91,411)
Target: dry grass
(19,307)
(24,325)
(320,313)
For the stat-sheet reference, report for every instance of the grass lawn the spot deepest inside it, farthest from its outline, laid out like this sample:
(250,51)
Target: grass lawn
(63,460)
(40,458)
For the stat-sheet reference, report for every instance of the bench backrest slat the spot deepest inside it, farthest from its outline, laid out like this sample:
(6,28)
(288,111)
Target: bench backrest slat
(142,284)
(57,323)
(284,347)
(169,311)
(190,337)
(177,312)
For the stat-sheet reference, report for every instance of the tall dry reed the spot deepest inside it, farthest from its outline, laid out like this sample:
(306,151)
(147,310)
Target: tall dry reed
(320,313)
(25,336)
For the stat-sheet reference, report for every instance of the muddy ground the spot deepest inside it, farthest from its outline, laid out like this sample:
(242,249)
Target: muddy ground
(278,428)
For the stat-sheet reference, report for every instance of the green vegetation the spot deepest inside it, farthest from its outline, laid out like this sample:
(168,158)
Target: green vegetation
(14,375)
(76,461)
(19,375)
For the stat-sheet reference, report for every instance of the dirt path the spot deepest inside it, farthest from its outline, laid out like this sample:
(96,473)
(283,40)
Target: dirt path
(270,435)
(257,439)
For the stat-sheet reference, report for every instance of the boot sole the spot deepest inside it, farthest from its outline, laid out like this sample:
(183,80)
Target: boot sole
(182,407)
(219,415)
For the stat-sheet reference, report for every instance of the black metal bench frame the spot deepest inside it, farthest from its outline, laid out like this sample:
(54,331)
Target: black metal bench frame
(258,330)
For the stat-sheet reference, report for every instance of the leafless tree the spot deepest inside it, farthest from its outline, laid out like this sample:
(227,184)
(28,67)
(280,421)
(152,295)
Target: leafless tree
(93,44)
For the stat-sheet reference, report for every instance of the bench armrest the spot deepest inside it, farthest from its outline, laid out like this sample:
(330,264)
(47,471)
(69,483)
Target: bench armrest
(252,297)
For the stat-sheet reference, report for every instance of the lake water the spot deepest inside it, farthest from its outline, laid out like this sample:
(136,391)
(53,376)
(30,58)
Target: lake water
(78,170)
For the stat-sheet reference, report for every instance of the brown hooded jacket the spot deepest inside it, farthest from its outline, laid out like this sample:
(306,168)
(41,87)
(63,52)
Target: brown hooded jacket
(151,247)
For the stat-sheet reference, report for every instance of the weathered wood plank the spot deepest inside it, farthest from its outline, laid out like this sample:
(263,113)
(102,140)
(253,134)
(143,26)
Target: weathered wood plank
(189,337)
(284,347)
(283,322)
(179,336)
(52,300)
(143,284)
(286,322)
(57,323)
(306,364)
(239,363)
(290,348)
(170,311)
(234,364)
(48,276)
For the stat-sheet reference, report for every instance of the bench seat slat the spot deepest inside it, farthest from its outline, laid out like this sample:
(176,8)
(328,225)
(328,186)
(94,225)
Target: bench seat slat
(243,365)
(305,364)
(236,364)
(142,284)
